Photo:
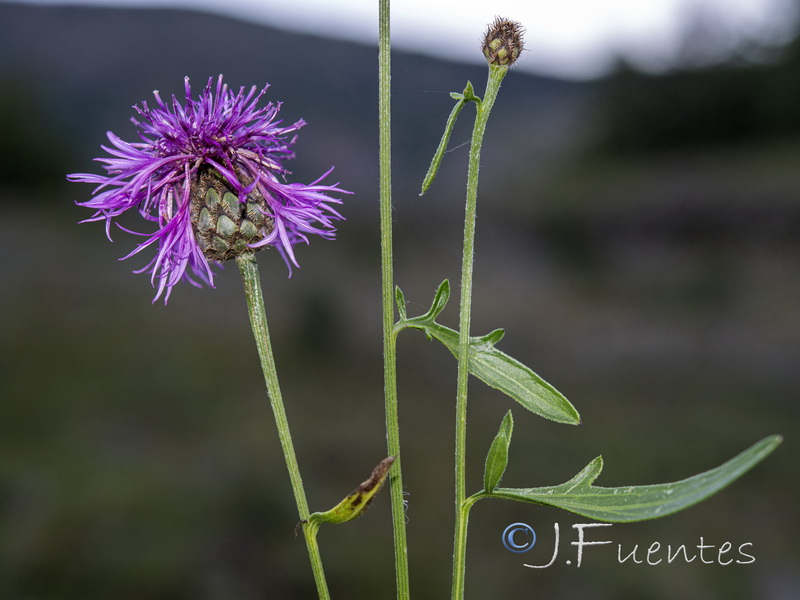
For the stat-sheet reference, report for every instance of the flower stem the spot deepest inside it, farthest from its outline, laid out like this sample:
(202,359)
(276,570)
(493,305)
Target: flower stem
(387,284)
(258,322)
(496,74)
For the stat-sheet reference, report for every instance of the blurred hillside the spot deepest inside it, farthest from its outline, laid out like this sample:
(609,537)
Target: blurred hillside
(74,72)
(638,239)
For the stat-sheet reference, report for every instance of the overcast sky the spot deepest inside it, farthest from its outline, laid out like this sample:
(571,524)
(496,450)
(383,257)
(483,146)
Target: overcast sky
(573,38)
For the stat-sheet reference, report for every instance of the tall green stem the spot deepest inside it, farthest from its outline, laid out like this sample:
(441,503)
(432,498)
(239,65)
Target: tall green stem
(258,322)
(387,285)
(496,75)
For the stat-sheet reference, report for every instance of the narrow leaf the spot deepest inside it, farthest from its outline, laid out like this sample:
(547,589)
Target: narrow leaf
(469,93)
(497,458)
(440,300)
(495,368)
(502,372)
(637,503)
(461,99)
(492,337)
(355,504)
(400,300)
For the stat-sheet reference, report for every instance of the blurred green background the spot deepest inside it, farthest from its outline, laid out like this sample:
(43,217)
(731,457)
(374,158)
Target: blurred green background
(638,239)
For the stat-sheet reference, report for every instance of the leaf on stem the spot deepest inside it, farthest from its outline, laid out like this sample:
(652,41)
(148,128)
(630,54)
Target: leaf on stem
(468,95)
(495,368)
(638,503)
(497,457)
(440,300)
(357,502)
(400,301)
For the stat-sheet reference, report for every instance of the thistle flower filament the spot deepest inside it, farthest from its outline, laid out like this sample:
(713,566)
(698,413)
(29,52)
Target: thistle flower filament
(220,148)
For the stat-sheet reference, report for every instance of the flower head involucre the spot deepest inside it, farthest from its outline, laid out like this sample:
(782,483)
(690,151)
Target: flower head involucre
(208,172)
(502,42)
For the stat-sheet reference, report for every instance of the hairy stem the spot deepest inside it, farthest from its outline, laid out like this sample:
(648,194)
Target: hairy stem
(496,75)
(387,284)
(258,322)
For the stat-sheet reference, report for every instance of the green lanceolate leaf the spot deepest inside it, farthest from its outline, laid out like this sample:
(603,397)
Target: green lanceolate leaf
(502,372)
(439,300)
(637,503)
(461,99)
(357,502)
(495,368)
(497,458)
(400,301)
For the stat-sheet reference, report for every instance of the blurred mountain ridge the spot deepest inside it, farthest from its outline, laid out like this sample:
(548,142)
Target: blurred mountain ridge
(74,71)
(70,73)
(687,154)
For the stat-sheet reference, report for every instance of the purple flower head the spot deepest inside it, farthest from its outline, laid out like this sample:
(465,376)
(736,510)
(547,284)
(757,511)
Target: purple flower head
(209,173)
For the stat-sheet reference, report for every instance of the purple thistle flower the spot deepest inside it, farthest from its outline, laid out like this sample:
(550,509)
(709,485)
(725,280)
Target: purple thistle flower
(209,173)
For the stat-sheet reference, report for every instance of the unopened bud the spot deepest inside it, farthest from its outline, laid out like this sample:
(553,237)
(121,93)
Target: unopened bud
(502,42)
